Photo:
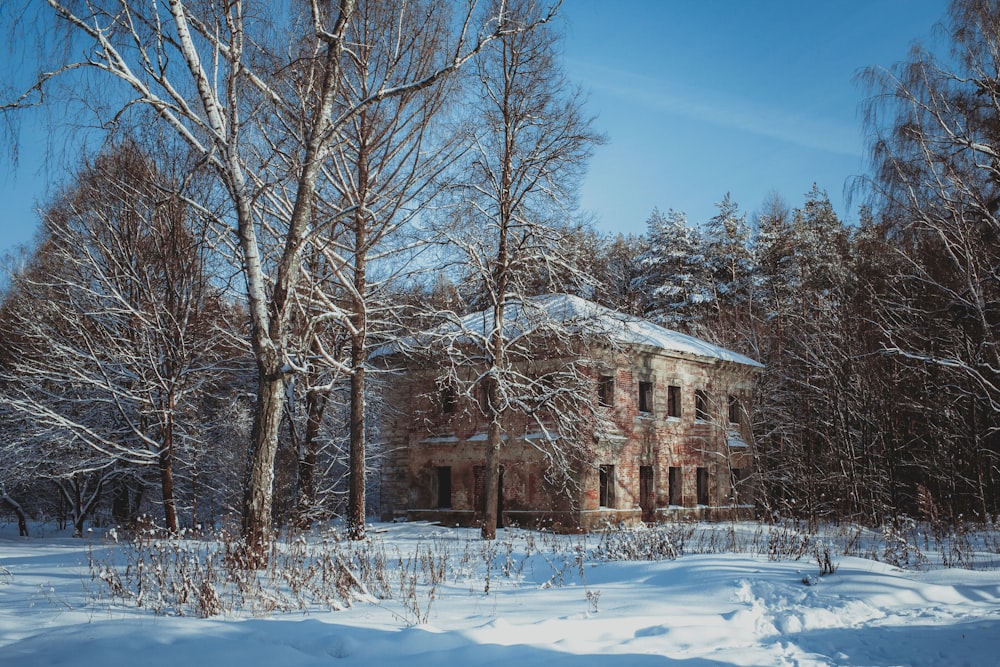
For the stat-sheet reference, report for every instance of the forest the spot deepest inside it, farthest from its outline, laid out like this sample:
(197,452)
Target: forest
(279,194)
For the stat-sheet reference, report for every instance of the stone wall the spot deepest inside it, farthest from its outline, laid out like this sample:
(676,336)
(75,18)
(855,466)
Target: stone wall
(426,441)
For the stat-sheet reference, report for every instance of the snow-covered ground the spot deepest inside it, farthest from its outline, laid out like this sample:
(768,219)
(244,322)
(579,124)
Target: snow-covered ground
(551,608)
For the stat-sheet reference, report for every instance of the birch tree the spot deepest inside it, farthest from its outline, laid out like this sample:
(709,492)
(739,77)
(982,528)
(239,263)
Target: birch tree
(209,72)
(531,142)
(934,124)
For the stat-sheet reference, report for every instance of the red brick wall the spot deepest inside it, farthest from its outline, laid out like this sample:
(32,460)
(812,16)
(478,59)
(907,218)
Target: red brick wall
(420,438)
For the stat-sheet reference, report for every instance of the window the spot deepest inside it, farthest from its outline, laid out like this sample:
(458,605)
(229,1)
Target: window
(647,492)
(607,486)
(734,410)
(484,393)
(673,401)
(443,487)
(702,486)
(478,482)
(447,399)
(606,391)
(645,397)
(675,492)
(701,411)
(737,483)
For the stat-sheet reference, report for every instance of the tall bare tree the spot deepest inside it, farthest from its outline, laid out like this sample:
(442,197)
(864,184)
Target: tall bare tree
(212,73)
(934,123)
(531,143)
(385,168)
(115,335)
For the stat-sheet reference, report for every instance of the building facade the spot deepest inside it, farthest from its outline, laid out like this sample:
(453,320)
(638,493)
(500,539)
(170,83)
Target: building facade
(667,437)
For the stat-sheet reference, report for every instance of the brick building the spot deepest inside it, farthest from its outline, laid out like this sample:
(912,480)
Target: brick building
(673,436)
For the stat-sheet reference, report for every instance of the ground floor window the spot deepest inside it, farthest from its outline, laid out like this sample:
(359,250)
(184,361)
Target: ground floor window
(737,483)
(607,486)
(676,486)
(703,486)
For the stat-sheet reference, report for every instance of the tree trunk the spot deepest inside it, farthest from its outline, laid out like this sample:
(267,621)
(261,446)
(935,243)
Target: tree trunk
(167,486)
(259,486)
(491,480)
(308,456)
(165,461)
(359,355)
(356,500)
(22,522)
(270,317)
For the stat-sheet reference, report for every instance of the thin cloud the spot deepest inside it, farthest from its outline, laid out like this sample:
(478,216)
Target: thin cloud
(773,122)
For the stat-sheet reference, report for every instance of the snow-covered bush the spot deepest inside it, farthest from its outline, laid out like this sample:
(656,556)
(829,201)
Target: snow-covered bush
(661,542)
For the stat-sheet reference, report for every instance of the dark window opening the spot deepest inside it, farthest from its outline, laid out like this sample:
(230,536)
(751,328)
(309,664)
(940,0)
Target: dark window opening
(484,391)
(645,397)
(607,482)
(448,400)
(734,410)
(676,488)
(737,483)
(673,401)
(606,391)
(702,486)
(647,492)
(443,487)
(701,411)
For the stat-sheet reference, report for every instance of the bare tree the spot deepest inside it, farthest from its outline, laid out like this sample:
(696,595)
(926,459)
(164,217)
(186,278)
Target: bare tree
(934,122)
(115,333)
(531,142)
(211,73)
(385,169)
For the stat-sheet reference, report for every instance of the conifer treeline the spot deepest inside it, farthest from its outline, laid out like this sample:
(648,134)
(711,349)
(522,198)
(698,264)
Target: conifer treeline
(865,410)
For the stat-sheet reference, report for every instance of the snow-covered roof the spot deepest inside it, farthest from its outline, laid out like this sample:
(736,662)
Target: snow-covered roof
(533,312)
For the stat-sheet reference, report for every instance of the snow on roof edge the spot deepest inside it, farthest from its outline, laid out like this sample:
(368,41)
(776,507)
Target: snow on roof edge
(623,328)
(633,330)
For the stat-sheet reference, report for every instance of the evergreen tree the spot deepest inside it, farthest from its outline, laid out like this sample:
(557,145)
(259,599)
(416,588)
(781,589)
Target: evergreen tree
(675,279)
(727,253)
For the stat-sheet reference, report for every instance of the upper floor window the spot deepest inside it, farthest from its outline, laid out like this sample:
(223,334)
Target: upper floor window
(734,410)
(673,401)
(645,397)
(701,409)
(606,390)
(447,399)
(607,486)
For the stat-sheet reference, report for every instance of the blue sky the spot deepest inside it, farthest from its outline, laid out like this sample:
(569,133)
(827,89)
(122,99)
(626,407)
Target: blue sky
(697,97)
(703,98)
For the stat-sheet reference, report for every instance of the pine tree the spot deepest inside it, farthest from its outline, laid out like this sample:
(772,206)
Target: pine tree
(727,254)
(675,278)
